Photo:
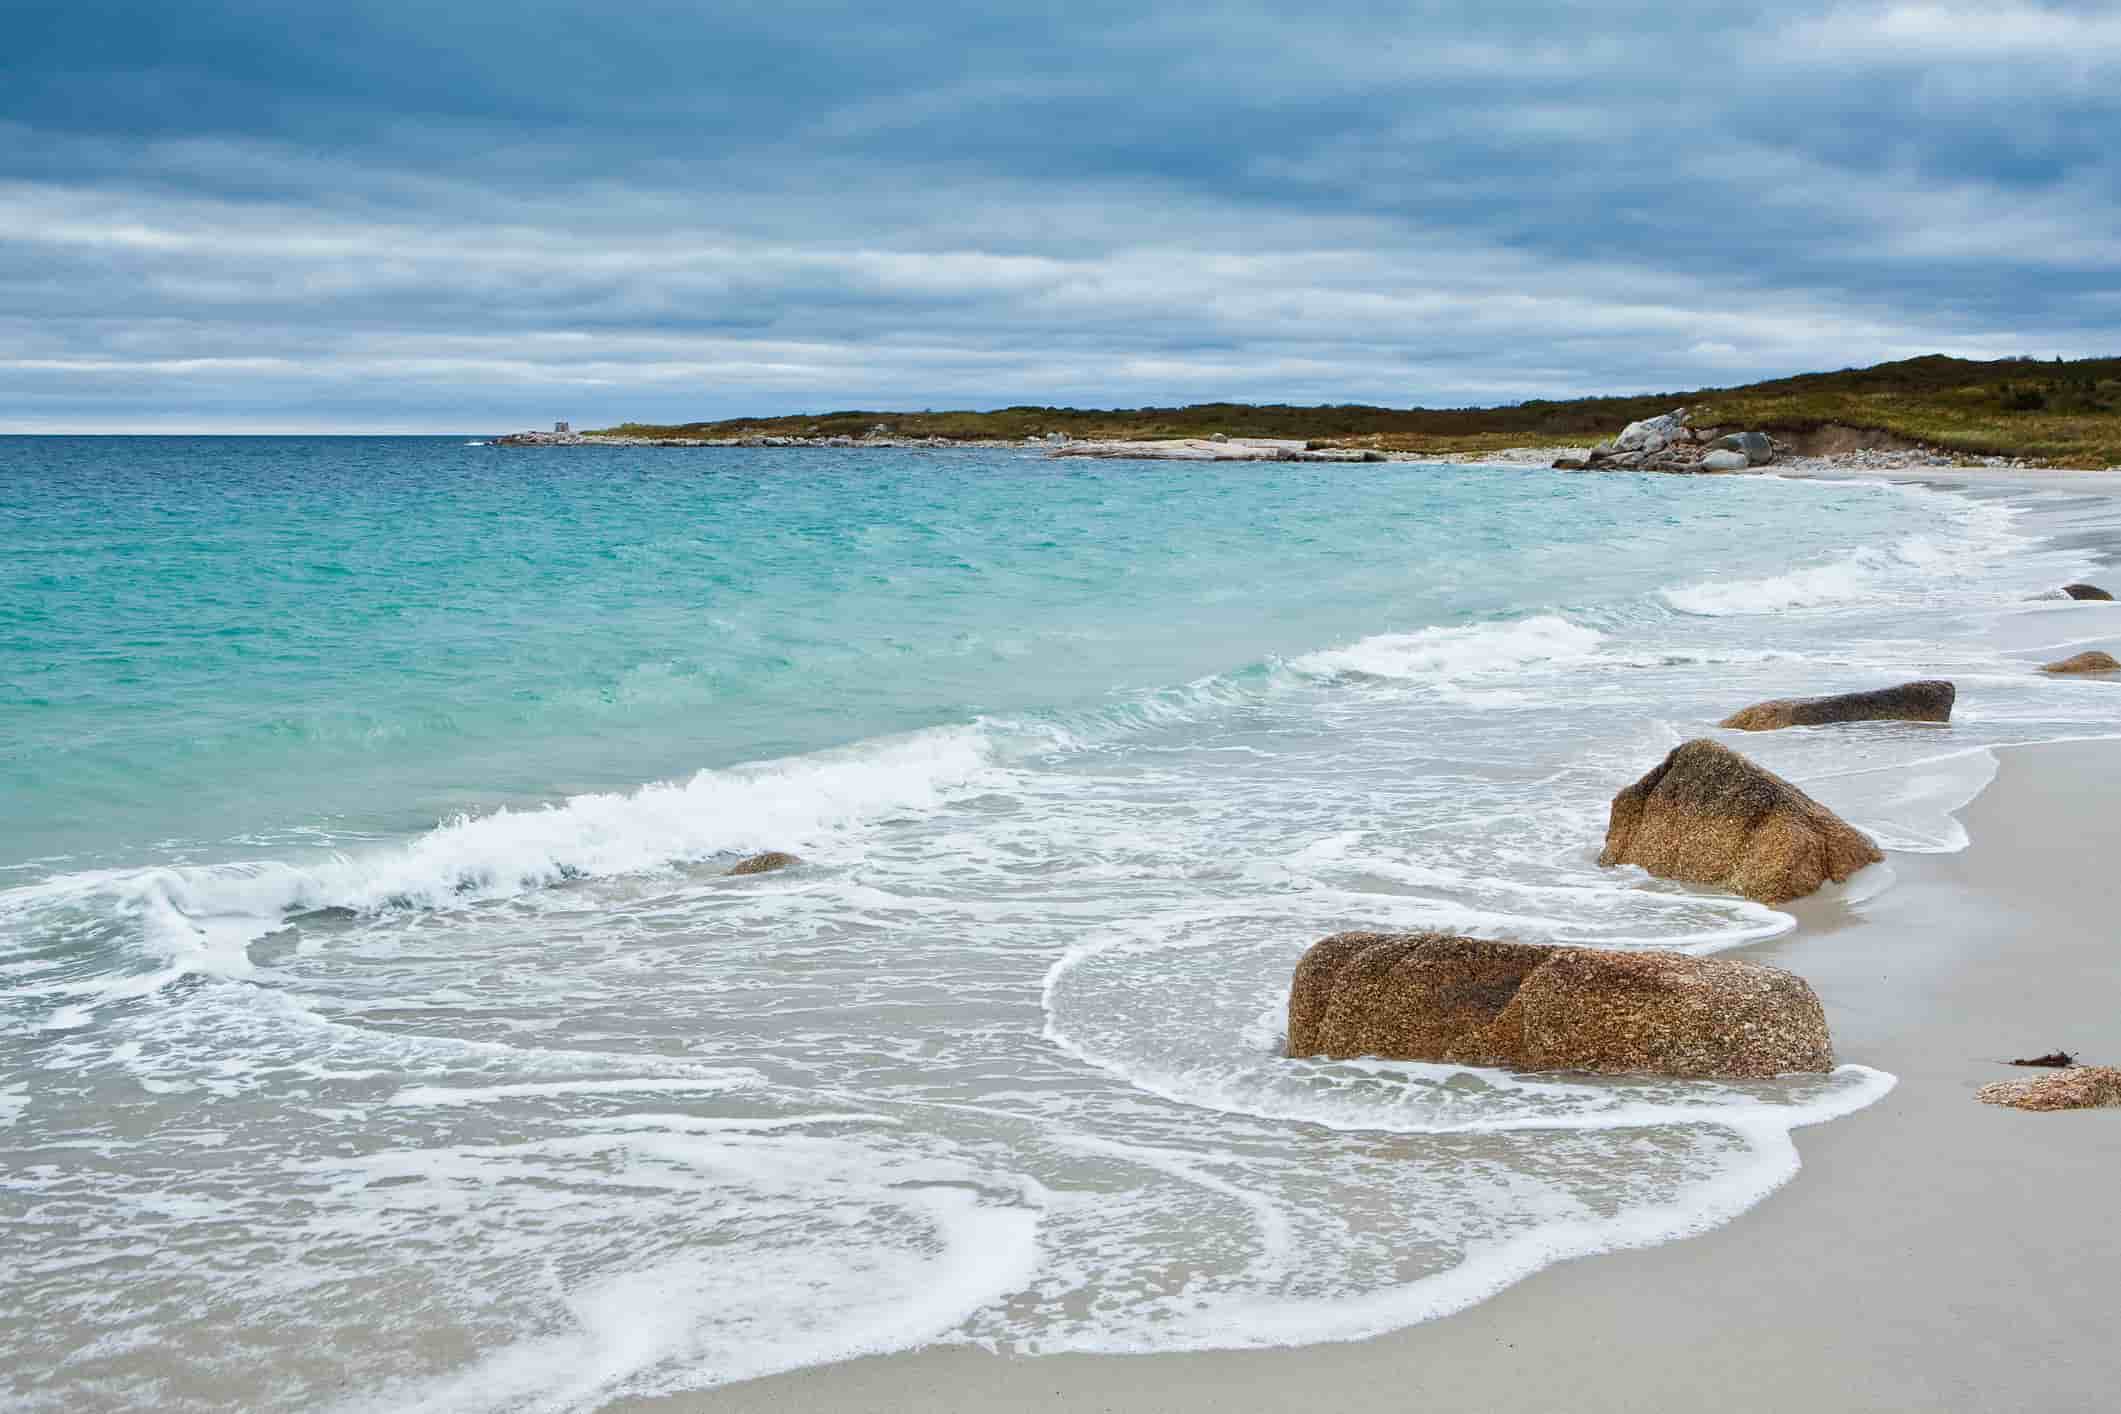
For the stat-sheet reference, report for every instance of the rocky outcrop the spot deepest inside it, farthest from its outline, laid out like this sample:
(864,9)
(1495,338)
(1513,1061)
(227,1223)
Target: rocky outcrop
(2080,1087)
(766,863)
(2086,591)
(1672,443)
(1654,434)
(1466,1001)
(2091,662)
(1928,701)
(1706,815)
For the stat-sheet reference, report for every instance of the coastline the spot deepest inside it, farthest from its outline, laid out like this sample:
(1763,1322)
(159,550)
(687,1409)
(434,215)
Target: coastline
(1931,1252)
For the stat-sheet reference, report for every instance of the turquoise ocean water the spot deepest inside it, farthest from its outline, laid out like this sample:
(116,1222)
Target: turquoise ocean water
(380,1028)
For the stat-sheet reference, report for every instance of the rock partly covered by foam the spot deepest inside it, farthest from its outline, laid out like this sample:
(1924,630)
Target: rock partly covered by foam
(2080,1087)
(2092,662)
(1706,815)
(766,863)
(1466,1001)
(2086,591)
(1928,701)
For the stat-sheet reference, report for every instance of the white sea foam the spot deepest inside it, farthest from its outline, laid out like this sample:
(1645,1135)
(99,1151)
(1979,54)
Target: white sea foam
(1863,574)
(1442,653)
(201,920)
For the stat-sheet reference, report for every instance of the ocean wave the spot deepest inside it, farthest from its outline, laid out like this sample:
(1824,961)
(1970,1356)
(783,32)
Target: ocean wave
(1864,574)
(200,919)
(1444,653)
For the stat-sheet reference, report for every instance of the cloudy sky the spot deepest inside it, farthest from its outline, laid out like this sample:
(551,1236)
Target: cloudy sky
(474,215)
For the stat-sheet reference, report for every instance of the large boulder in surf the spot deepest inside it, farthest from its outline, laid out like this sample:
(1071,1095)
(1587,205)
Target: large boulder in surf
(2079,1087)
(770,862)
(2092,662)
(1706,815)
(1927,701)
(2086,591)
(1467,1001)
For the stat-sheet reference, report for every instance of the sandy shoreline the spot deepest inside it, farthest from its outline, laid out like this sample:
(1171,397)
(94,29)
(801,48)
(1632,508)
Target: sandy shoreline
(1933,1253)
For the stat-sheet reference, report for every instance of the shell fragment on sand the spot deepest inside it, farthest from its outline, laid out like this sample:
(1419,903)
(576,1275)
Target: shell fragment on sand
(2092,662)
(2080,1087)
(1468,1001)
(1706,815)
(1927,701)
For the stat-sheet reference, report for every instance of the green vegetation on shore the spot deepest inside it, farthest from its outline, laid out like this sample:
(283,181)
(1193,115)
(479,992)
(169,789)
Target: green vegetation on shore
(2058,413)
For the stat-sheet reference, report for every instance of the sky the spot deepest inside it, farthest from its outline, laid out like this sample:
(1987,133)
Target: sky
(482,215)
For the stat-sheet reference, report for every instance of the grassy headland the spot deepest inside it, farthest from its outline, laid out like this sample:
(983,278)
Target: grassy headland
(2057,413)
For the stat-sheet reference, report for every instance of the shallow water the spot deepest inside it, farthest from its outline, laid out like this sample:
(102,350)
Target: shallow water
(382,1031)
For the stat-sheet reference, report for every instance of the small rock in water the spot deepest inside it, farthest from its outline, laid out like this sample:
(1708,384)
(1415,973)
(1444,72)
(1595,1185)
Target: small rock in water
(2091,662)
(1706,815)
(766,863)
(2079,1087)
(2086,591)
(1928,701)
(2052,1058)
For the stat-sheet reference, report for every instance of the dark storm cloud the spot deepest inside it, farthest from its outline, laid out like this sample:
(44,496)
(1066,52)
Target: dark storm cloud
(463,216)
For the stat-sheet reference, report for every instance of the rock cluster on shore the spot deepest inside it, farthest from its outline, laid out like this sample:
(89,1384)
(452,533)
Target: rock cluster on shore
(1672,443)
(1432,997)
(1928,701)
(1704,815)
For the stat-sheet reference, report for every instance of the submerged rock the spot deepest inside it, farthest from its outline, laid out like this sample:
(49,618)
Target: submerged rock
(1927,701)
(2080,1087)
(2086,591)
(1467,1001)
(2091,662)
(1706,815)
(765,863)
